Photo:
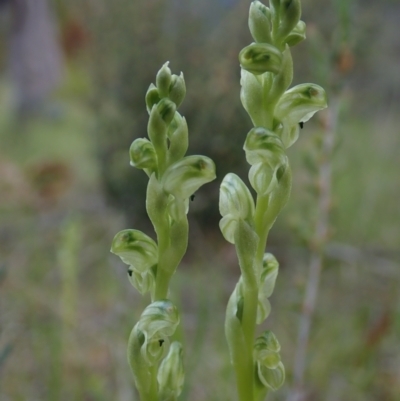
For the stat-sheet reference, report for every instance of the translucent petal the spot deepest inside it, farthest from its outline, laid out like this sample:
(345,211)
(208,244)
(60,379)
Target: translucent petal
(228,226)
(142,154)
(264,146)
(259,58)
(185,177)
(300,103)
(136,249)
(271,378)
(171,374)
(235,198)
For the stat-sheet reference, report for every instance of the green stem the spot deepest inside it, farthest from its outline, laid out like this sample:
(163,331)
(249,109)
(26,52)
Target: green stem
(245,372)
(161,152)
(163,276)
(245,381)
(162,285)
(262,229)
(153,390)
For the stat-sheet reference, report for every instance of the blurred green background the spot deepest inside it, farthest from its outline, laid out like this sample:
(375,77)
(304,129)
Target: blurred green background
(73,75)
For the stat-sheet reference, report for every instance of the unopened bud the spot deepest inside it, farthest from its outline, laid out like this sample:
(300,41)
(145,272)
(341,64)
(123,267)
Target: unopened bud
(270,370)
(235,198)
(177,89)
(152,97)
(260,22)
(142,154)
(235,204)
(269,274)
(262,178)
(259,58)
(289,13)
(266,349)
(264,146)
(159,319)
(171,375)
(297,35)
(185,177)
(135,249)
(157,323)
(178,136)
(163,80)
(167,110)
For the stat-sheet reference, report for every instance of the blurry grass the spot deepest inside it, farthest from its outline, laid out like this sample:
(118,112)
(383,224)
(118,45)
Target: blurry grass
(366,187)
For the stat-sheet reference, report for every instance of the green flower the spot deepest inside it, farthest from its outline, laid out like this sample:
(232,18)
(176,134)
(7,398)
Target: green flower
(259,58)
(171,375)
(135,249)
(185,177)
(143,154)
(156,324)
(270,369)
(235,202)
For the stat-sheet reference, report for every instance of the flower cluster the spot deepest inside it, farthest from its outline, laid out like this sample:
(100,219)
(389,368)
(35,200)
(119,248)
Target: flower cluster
(173,178)
(277,113)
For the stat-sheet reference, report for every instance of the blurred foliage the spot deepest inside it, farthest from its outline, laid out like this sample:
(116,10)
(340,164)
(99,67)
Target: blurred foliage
(59,168)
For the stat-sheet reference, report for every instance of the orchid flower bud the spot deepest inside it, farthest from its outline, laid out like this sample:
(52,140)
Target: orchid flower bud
(178,136)
(177,89)
(270,369)
(300,103)
(235,198)
(143,154)
(264,146)
(157,323)
(266,350)
(142,281)
(264,178)
(135,249)
(288,133)
(167,110)
(185,177)
(269,274)
(260,22)
(152,97)
(163,80)
(157,128)
(235,203)
(259,58)
(289,14)
(297,35)
(171,375)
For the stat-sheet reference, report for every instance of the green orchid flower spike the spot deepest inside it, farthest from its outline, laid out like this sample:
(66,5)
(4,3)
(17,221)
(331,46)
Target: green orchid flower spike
(156,364)
(276,112)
